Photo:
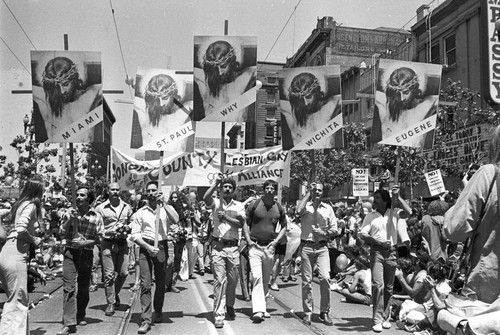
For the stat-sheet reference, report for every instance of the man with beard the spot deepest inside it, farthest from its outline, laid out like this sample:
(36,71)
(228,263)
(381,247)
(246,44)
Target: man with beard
(162,110)
(63,99)
(152,258)
(307,109)
(222,80)
(116,214)
(404,105)
(82,229)
(263,215)
(229,216)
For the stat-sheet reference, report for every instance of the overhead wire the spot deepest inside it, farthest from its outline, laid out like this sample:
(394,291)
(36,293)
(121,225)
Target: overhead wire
(281,32)
(15,56)
(120,45)
(20,26)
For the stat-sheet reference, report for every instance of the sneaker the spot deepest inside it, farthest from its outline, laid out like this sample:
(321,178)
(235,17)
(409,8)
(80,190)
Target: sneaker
(386,325)
(377,328)
(307,320)
(219,323)
(334,287)
(231,315)
(412,328)
(325,318)
(267,315)
(343,300)
(258,317)
(274,287)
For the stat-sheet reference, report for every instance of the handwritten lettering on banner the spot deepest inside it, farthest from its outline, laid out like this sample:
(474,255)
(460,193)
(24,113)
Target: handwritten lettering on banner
(79,127)
(318,139)
(435,182)
(360,182)
(164,143)
(406,137)
(199,168)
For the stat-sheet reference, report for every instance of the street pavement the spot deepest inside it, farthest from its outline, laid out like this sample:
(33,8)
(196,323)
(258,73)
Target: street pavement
(190,312)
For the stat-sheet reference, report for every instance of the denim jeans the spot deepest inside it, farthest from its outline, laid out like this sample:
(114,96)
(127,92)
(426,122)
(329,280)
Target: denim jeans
(261,264)
(115,267)
(77,266)
(383,267)
(311,255)
(148,264)
(226,260)
(14,278)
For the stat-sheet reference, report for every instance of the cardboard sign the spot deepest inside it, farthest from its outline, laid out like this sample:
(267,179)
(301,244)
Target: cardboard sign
(360,182)
(435,182)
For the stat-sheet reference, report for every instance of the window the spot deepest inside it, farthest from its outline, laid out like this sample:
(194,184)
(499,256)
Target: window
(271,97)
(271,113)
(269,131)
(435,56)
(271,80)
(450,45)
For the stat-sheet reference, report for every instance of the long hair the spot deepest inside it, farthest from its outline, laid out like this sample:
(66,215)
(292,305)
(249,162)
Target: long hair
(161,86)
(219,53)
(57,71)
(401,80)
(180,205)
(494,154)
(304,85)
(32,192)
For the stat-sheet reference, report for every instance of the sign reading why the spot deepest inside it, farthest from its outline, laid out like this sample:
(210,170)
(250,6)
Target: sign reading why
(200,168)
(435,182)
(230,111)
(165,142)
(360,182)
(320,137)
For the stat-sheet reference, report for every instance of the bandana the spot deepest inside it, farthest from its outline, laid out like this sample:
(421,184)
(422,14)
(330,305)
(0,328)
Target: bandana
(306,92)
(63,78)
(219,62)
(403,87)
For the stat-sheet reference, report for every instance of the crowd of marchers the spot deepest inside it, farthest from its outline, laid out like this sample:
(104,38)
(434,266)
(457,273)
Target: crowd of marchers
(408,259)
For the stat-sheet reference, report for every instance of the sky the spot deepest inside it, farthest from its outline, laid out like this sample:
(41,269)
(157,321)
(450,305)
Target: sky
(151,31)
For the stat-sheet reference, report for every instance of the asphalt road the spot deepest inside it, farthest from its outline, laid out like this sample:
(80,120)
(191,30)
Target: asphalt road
(190,312)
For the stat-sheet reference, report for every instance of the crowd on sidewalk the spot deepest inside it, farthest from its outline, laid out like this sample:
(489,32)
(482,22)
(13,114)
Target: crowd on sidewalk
(414,262)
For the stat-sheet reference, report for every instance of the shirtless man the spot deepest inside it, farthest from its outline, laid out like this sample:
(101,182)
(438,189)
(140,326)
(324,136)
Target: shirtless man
(403,105)
(161,110)
(221,80)
(63,100)
(307,110)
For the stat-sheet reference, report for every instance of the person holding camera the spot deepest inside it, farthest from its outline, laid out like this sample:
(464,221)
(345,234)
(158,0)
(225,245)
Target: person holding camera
(228,218)
(82,229)
(116,215)
(319,224)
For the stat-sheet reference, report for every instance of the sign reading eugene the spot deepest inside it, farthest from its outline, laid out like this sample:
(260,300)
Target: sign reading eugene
(490,13)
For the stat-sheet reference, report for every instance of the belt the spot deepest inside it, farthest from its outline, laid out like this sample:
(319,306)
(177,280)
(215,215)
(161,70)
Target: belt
(261,243)
(322,242)
(227,243)
(392,248)
(151,242)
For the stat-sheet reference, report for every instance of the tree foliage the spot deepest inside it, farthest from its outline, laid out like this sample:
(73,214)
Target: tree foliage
(332,167)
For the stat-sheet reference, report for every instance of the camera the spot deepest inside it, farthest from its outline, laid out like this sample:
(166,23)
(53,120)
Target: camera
(471,170)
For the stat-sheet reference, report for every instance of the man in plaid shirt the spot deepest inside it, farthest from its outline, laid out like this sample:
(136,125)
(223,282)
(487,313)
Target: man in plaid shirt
(82,229)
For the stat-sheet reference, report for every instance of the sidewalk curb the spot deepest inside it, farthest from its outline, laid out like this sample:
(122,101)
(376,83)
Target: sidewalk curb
(46,296)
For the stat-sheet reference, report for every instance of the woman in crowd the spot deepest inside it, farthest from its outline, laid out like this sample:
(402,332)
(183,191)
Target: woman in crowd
(359,291)
(15,255)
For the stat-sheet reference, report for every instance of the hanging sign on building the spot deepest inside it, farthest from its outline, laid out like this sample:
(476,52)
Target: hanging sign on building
(490,45)
(406,99)
(67,96)
(435,182)
(225,70)
(310,107)
(359,182)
